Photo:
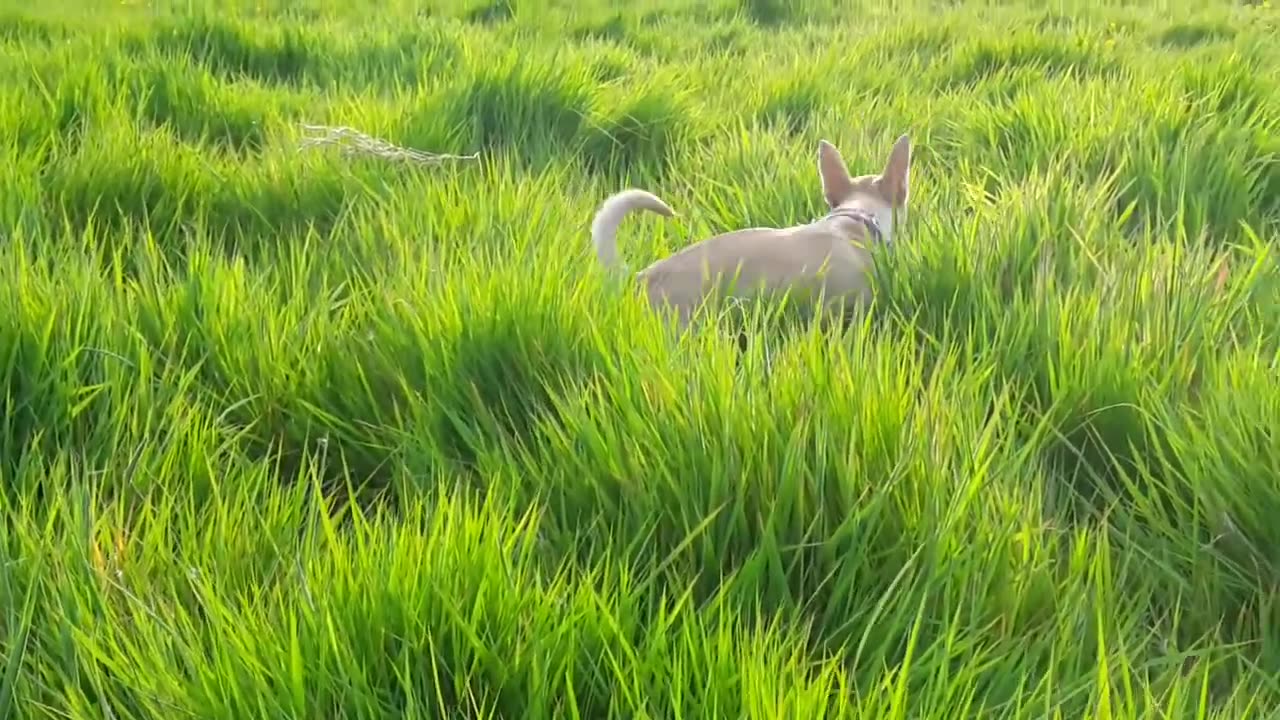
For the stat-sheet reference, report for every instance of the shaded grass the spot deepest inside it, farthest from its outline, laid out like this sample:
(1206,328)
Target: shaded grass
(296,434)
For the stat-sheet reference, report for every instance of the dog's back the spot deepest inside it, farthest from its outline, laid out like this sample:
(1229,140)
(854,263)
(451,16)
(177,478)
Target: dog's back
(804,261)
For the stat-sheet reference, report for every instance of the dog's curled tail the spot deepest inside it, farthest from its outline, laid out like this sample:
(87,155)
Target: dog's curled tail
(604,227)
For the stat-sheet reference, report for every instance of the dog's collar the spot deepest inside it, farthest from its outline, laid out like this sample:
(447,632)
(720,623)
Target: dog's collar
(862,216)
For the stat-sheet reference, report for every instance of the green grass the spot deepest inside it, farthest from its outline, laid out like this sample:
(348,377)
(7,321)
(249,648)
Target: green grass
(290,434)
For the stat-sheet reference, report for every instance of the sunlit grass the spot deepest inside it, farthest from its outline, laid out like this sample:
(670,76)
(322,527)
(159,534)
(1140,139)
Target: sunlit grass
(291,434)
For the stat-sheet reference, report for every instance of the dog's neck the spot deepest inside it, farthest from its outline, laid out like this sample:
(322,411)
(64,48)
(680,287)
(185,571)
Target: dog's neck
(847,215)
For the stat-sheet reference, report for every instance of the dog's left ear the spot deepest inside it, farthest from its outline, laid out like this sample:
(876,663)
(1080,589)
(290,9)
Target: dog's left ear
(895,180)
(837,186)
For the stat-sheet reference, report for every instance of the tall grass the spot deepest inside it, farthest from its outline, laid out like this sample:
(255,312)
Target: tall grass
(291,434)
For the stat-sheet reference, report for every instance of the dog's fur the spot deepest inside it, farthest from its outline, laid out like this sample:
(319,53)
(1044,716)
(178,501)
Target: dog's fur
(826,261)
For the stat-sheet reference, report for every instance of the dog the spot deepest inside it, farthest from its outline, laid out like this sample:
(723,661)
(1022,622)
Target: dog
(826,264)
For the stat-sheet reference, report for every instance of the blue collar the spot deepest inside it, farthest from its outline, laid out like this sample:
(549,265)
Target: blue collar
(862,216)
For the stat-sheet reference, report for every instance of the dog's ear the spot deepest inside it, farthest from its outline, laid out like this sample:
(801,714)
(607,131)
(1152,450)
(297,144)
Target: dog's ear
(896,178)
(836,183)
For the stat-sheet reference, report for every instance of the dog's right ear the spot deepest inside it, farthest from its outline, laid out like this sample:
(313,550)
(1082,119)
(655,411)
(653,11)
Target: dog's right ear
(896,178)
(837,186)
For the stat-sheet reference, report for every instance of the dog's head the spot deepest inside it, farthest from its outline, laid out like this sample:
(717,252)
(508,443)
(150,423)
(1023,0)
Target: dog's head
(883,195)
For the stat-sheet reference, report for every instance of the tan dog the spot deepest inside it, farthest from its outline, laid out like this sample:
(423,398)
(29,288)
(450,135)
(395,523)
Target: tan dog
(827,260)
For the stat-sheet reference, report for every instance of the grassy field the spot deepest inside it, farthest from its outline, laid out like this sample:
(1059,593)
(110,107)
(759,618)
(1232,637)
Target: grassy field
(288,433)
